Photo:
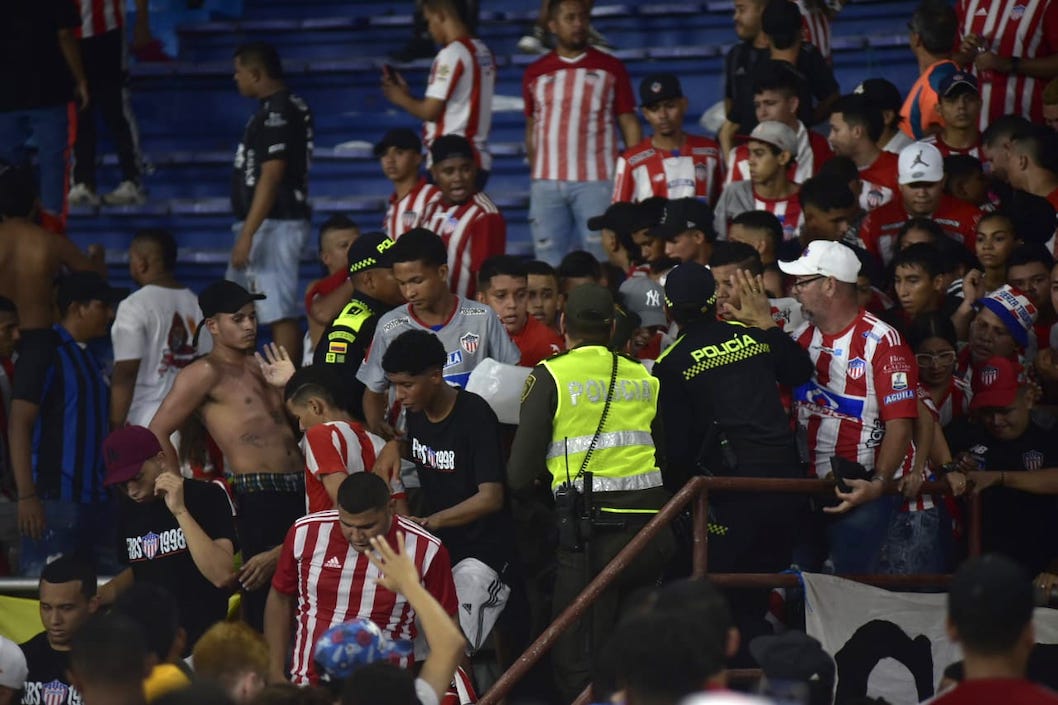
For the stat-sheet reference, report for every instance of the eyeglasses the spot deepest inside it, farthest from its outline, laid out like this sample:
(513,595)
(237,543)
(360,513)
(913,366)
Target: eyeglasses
(802,283)
(942,359)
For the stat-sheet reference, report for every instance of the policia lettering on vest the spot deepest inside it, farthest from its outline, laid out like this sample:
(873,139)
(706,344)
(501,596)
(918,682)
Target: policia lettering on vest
(588,424)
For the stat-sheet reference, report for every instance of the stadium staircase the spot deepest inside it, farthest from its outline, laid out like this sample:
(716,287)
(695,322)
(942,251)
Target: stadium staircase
(191,116)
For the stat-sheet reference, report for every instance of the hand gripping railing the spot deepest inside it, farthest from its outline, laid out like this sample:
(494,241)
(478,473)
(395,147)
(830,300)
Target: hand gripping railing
(697,490)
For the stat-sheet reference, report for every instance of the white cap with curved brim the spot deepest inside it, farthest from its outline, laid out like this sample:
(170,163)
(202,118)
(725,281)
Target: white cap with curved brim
(825,258)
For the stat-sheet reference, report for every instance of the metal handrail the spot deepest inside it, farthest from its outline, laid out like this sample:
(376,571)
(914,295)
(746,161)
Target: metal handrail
(697,489)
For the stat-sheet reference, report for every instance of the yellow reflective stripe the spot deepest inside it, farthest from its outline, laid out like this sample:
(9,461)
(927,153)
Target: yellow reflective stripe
(667,350)
(611,439)
(614,510)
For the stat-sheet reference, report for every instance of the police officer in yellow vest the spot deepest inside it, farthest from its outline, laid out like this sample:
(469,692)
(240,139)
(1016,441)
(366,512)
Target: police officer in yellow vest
(588,426)
(375,291)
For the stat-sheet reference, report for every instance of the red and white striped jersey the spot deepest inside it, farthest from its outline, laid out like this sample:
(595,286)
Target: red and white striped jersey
(880,228)
(879,182)
(946,150)
(472,231)
(1027,29)
(815,27)
(924,501)
(100,16)
(696,170)
(573,105)
(333,583)
(410,212)
(864,376)
(463,75)
(336,447)
(813,150)
(787,210)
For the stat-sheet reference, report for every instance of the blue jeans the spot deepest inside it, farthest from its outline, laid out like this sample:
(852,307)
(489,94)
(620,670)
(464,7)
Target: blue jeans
(50,129)
(89,529)
(558,217)
(916,542)
(856,537)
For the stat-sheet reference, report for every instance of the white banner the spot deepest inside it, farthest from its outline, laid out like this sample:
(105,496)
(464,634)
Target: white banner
(892,645)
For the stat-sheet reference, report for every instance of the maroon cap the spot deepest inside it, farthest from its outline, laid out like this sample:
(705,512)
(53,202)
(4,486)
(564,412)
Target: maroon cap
(125,451)
(995,384)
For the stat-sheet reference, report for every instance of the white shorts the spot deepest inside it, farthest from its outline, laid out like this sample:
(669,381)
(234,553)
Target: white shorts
(273,267)
(482,597)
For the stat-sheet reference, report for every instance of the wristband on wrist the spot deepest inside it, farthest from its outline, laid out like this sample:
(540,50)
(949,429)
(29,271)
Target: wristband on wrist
(1015,64)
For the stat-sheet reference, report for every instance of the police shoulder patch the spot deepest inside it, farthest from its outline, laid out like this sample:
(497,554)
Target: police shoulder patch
(530,381)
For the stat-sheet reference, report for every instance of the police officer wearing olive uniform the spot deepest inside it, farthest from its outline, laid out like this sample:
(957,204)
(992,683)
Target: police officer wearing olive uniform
(342,346)
(723,415)
(588,426)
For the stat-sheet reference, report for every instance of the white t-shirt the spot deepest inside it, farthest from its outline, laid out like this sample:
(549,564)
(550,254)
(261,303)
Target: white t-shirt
(155,325)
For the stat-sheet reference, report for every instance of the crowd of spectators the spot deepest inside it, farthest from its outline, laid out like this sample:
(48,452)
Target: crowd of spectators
(860,288)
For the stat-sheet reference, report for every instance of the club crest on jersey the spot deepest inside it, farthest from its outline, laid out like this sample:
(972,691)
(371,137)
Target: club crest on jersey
(701,173)
(874,198)
(898,381)
(857,368)
(989,375)
(1017,12)
(54,693)
(450,225)
(469,342)
(150,545)
(408,218)
(1033,460)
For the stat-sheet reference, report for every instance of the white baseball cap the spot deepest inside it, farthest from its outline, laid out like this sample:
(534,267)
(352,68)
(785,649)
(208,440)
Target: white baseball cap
(920,161)
(825,257)
(13,669)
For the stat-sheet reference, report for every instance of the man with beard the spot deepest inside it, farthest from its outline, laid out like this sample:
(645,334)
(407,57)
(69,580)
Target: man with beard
(240,402)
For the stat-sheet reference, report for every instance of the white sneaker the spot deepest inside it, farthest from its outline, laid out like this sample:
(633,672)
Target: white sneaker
(81,195)
(536,42)
(127,193)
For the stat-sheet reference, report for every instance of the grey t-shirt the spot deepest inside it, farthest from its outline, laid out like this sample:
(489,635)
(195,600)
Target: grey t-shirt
(473,333)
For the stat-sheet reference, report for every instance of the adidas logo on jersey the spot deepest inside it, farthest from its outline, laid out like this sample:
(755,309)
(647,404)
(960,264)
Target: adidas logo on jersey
(333,562)
(468,607)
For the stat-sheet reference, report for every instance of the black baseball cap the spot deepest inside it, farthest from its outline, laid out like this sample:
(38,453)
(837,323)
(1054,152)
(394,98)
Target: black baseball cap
(881,93)
(401,138)
(81,287)
(683,214)
(224,296)
(990,593)
(690,285)
(369,251)
(449,146)
(623,218)
(658,87)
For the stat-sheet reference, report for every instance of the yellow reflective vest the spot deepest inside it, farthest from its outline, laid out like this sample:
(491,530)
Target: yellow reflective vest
(623,458)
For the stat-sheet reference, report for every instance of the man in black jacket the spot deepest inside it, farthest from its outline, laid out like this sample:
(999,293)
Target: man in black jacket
(723,415)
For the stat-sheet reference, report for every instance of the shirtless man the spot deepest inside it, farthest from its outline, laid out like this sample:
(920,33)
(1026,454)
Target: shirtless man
(30,256)
(240,402)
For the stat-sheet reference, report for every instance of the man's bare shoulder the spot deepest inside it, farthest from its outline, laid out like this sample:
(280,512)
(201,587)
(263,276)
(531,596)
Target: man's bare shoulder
(203,371)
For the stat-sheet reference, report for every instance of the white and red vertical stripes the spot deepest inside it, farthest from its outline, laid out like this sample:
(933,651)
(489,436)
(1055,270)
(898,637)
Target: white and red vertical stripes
(1026,29)
(334,583)
(574,104)
(100,16)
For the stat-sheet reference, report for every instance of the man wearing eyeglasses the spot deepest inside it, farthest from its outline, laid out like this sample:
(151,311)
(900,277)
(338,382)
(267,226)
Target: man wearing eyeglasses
(860,404)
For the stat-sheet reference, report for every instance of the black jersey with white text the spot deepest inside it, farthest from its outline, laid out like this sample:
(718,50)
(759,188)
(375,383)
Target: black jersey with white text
(280,129)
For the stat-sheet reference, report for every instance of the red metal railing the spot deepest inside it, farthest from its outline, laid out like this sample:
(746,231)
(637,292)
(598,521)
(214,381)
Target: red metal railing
(697,490)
